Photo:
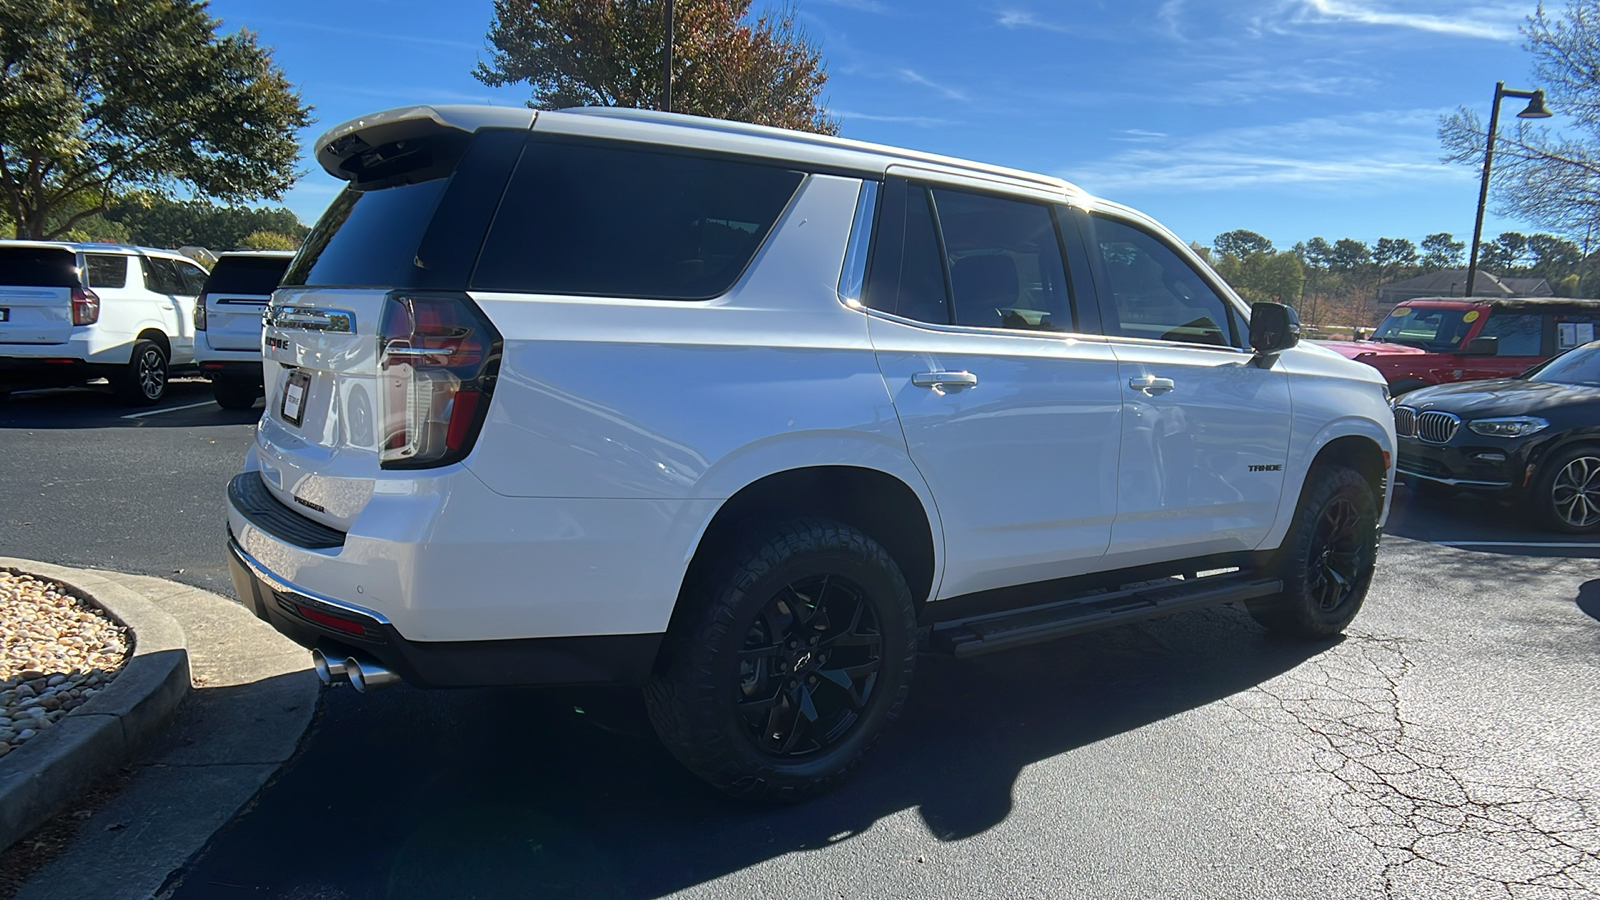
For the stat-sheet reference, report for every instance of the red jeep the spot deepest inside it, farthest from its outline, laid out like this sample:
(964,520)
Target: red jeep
(1438,340)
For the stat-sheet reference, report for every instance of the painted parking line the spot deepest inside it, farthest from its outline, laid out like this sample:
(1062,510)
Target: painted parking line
(157,412)
(1595,545)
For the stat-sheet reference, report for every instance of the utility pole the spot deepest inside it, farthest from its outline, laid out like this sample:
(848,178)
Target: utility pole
(666,65)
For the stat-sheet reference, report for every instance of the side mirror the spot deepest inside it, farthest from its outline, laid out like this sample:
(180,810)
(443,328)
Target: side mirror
(1484,346)
(1274,328)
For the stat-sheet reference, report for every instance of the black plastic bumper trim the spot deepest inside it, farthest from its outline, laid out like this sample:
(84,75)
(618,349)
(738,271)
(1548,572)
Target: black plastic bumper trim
(249,495)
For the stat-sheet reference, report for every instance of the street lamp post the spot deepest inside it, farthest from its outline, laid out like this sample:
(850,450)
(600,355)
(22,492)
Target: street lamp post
(1536,110)
(666,65)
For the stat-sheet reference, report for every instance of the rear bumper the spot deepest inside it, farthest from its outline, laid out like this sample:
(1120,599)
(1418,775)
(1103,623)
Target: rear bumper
(342,629)
(217,369)
(23,371)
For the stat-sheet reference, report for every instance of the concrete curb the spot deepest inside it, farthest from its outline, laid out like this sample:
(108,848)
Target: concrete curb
(39,779)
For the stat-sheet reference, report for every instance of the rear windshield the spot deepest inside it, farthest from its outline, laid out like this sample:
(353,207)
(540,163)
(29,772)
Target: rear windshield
(610,221)
(246,275)
(38,267)
(1431,328)
(367,238)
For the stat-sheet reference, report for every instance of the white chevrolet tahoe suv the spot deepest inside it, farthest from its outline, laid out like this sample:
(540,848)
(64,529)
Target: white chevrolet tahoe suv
(751,418)
(71,313)
(227,323)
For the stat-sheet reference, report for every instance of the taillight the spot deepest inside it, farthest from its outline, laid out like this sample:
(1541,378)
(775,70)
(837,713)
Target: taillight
(200,313)
(85,306)
(437,360)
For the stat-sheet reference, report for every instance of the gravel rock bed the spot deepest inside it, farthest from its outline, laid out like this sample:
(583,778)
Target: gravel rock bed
(56,651)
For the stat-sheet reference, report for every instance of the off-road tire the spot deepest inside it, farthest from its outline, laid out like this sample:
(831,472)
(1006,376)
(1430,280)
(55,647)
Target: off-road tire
(143,380)
(693,698)
(1581,463)
(235,394)
(1312,564)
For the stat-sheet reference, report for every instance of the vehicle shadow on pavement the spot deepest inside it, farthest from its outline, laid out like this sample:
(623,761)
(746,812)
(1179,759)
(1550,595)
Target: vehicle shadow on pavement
(518,793)
(1589,599)
(96,407)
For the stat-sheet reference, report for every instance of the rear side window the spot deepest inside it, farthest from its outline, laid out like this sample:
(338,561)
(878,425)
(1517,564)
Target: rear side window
(246,275)
(38,267)
(191,276)
(907,275)
(367,238)
(608,221)
(1006,269)
(107,270)
(1519,335)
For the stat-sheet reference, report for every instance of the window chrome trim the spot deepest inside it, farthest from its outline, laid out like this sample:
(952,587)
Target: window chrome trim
(854,274)
(990,332)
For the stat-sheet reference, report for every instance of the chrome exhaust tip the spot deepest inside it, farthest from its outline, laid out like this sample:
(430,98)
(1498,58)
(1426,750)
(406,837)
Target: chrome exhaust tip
(366,675)
(328,670)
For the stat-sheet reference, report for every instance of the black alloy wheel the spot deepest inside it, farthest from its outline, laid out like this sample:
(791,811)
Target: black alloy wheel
(786,660)
(1331,573)
(808,666)
(1327,559)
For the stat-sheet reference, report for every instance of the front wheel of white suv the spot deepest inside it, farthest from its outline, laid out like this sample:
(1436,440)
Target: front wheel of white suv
(1327,560)
(794,659)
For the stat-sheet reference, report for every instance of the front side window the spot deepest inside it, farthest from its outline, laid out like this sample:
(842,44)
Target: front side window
(624,221)
(192,277)
(1518,335)
(1155,293)
(160,275)
(107,270)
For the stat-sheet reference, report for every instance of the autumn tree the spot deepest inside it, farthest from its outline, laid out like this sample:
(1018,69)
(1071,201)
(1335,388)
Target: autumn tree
(609,53)
(101,96)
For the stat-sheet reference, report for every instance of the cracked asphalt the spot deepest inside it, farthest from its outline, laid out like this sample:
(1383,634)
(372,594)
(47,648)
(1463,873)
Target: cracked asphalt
(1447,747)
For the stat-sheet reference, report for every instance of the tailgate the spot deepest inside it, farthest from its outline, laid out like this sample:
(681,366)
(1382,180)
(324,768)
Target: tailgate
(36,285)
(318,441)
(233,321)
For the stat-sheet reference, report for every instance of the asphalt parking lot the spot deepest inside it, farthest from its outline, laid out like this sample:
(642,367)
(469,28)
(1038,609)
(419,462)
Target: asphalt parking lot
(1449,746)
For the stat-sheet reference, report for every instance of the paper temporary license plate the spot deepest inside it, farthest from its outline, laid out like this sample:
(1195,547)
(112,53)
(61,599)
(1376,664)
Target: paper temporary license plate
(294,396)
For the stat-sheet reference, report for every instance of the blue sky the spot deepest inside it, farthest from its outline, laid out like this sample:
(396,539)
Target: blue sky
(1293,118)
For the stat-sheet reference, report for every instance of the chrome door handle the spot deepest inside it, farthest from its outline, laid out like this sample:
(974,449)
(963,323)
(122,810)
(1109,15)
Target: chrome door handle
(941,381)
(1150,385)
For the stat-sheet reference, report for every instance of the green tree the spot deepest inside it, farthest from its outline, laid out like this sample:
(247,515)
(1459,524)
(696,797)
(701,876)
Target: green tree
(1503,255)
(1391,254)
(609,53)
(268,240)
(101,96)
(1262,276)
(1441,251)
(1241,243)
(156,221)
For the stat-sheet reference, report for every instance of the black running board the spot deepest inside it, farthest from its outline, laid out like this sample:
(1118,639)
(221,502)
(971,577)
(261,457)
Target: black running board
(975,635)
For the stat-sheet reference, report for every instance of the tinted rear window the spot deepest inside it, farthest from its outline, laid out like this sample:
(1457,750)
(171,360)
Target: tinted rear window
(246,275)
(38,267)
(607,221)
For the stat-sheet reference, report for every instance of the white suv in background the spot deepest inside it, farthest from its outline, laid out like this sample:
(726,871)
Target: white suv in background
(71,313)
(227,323)
(748,417)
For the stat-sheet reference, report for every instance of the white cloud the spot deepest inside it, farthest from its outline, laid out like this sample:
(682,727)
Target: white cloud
(1014,18)
(913,77)
(1474,22)
(1335,153)
(1139,136)
(918,121)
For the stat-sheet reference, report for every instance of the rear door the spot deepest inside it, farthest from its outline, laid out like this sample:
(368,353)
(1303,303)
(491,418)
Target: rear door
(235,295)
(1519,339)
(1009,410)
(36,286)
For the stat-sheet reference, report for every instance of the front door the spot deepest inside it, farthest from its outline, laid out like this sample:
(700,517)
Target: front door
(1010,415)
(1205,426)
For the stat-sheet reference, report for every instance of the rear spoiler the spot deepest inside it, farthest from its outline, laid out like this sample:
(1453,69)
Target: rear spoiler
(411,144)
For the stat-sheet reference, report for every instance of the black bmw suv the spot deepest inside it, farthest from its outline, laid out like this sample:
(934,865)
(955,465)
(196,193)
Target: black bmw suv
(1537,435)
